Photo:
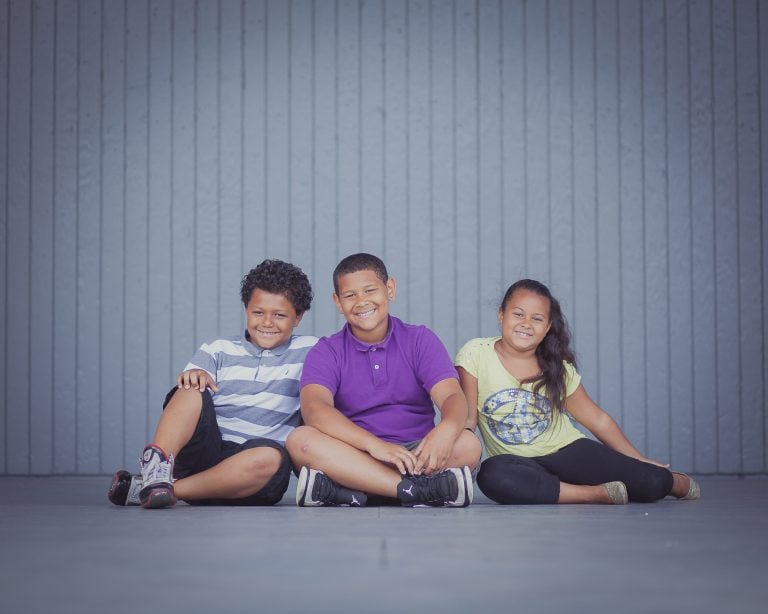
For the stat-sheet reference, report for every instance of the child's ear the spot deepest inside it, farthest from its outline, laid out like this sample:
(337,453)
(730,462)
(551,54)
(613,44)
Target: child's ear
(337,302)
(391,288)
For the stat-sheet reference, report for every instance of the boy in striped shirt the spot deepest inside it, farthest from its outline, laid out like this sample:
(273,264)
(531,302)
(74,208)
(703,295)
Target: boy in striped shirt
(220,439)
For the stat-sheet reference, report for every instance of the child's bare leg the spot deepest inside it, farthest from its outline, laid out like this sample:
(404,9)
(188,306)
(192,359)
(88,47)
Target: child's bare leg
(345,464)
(178,421)
(680,484)
(238,476)
(573,493)
(466,451)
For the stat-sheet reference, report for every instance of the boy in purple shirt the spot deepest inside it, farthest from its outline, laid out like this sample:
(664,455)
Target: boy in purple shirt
(367,397)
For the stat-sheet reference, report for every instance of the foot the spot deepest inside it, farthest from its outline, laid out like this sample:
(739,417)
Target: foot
(315,489)
(684,486)
(617,493)
(157,478)
(125,488)
(450,488)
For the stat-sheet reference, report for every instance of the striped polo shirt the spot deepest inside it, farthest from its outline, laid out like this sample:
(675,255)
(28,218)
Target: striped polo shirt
(258,389)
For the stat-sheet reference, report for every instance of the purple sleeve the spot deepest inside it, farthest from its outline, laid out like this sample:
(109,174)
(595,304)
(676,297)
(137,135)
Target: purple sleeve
(322,367)
(433,363)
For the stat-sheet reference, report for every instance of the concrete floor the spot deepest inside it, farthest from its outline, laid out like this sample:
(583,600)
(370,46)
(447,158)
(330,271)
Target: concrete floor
(65,548)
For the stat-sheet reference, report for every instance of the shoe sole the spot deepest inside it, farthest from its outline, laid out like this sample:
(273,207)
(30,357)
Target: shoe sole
(302,487)
(464,478)
(119,488)
(159,497)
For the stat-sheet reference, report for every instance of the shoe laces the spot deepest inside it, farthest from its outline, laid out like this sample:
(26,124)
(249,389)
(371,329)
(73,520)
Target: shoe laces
(157,470)
(436,487)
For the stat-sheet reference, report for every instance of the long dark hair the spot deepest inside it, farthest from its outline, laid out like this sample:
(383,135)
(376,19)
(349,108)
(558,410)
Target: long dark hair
(553,349)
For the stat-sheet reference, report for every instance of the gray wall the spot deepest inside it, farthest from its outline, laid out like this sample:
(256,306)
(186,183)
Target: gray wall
(152,152)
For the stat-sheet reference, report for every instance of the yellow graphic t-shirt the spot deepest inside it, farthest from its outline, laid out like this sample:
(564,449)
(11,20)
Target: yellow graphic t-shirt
(512,418)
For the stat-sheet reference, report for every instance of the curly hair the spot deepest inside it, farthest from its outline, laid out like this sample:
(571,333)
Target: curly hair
(553,349)
(278,277)
(359,262)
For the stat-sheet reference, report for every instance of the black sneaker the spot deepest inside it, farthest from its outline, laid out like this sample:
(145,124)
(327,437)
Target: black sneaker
(125,488)
(316,489)
(450,488)
(157,478)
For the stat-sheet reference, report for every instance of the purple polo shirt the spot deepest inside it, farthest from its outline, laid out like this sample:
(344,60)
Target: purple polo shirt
(382,387)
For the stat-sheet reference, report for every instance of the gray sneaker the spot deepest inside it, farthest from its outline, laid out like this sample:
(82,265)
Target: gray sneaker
(157,478)
(451,487)
(124,489)
(315,489)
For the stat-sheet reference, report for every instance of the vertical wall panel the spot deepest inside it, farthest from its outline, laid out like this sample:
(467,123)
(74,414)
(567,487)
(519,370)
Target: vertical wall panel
(583,268)
(65,238)
(230,110)
(749,251)
(464,247)
(277,130)
(489,234)
(5,24)
(726,193)
(18,325)
(184,339)
(140,409)
(560,154)
(396,166)
(655,224)
(41,246)
(513,130)
(207,175)
(417,293)
(763,97)
(113,301)
(631,116)
(301,184)
(88,236)
(679,343)
(608,186)
(536,114)
(703,234)
(444,170)
(161,371)
(152,152)
(371,113)
(349,222)
(325,178)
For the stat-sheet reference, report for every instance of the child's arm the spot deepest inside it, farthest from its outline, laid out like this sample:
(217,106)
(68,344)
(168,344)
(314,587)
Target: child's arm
(318,411)
(435,449)
(468,384)
(587,413)
(197,379)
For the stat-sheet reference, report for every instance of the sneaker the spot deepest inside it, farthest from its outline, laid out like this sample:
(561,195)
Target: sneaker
(157,478)
(125,488)
(316,489)
(450,488)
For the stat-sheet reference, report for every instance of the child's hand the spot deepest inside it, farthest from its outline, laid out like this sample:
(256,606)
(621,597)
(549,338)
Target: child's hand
(653,462)
(386,452)
(434,451)
(196,379)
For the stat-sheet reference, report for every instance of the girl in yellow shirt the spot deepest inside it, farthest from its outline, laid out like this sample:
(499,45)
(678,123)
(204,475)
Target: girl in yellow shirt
(519,387)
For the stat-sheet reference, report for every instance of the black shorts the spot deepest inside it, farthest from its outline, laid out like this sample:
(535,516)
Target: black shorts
(206,449)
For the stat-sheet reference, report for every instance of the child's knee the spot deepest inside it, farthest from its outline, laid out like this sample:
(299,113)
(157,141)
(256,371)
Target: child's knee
(467,449)
(299,441)
(655,484)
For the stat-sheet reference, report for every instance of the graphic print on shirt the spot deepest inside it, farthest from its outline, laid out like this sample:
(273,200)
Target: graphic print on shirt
(517,416)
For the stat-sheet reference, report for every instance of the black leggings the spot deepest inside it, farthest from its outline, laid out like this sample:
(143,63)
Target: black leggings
(511,479)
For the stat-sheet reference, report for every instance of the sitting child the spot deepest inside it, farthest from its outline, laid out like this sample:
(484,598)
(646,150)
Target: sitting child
(225,446)
(367,395)
(519,386)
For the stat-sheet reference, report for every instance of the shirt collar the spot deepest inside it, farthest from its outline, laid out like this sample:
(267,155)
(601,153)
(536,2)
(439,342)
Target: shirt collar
(257,350)
(361,346)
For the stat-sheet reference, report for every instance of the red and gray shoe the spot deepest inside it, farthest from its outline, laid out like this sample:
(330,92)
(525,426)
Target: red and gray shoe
(157,478)
(125,488)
